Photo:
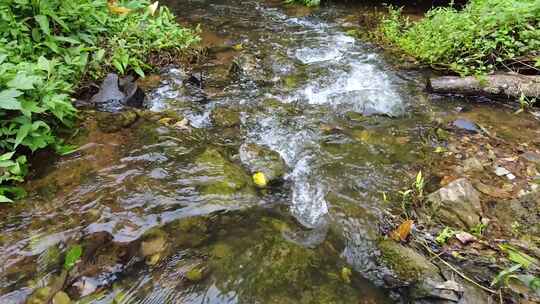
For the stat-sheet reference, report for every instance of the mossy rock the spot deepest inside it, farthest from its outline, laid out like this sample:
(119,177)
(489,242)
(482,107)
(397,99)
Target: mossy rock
(153,242)
(40,296)
(223,117)
(225,177)
(61,298)
(195,274)
(221,250)
(114,122)
(191,232)
(261,159)
(407,264)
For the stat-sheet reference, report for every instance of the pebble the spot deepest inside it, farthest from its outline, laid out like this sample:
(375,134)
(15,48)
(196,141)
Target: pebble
(510,176)
(500,171)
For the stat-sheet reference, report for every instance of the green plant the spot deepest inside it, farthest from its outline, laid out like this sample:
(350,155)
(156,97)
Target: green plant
(445,234)
(484,36)
(478,230)
(525,103)
(48,47)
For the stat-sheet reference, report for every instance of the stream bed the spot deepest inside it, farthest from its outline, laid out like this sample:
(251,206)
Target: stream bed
(166,209)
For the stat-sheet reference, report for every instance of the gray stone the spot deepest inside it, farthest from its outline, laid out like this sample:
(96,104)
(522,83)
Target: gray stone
(457,204)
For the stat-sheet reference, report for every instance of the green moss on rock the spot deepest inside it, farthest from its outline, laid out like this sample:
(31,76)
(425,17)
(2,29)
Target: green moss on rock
(407,264)
(225,178)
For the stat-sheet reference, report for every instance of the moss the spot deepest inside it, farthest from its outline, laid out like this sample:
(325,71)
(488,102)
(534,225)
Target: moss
(221,251)
(191,232)
(226,178)
(194,275)
(406,263)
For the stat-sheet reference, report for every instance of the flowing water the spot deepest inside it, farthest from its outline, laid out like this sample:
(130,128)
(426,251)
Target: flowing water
(167,215)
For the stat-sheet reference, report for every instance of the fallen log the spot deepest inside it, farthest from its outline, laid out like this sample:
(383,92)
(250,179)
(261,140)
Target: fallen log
(511,86)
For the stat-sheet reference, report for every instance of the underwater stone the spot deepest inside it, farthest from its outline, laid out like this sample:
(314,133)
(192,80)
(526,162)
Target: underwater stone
(114,122)
(154,242)
(261,159)
(227,178)
(61,298)
(39,296)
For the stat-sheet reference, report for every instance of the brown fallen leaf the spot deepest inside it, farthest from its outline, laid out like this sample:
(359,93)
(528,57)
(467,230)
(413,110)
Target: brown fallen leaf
(402,231)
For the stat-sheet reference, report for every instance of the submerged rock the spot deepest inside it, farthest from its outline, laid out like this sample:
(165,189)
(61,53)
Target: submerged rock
(225,117)
(262,159)
(191,232)
(114,122)
(246,66)
(153,242)
(40,296)
(224,177)
(61,298)
(457,204)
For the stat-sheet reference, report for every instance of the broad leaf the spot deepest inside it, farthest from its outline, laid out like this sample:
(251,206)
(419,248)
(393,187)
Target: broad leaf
(43,22)
(22,133)
(23,82)
(8,99)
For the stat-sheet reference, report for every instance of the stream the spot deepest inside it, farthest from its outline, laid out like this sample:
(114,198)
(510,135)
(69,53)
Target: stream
(168,214)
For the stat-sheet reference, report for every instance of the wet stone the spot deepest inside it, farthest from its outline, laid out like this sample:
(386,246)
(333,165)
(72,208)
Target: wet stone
(154,242)
(114,122)
(407,264)
(258,158)
(61,298)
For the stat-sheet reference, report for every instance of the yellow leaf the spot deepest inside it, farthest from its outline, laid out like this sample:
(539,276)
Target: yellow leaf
(238,47)
(153,7)
(259,179)
(403,231)
(120,10)
(346,274)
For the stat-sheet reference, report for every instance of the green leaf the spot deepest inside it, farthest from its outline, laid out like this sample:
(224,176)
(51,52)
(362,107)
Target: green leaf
(28,107)
(8,99)
(2,58)
(4,199)
(73,255)
(43,22)
(46,65)
(6,156)
(22,133)
(23,82)
(518,257)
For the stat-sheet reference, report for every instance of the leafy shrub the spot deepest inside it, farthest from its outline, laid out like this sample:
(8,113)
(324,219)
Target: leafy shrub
(484,36)
(47,47)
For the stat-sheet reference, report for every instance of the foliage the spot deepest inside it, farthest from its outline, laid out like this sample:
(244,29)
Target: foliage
(73,255)
(445,234)
(484,36)
(47,47)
